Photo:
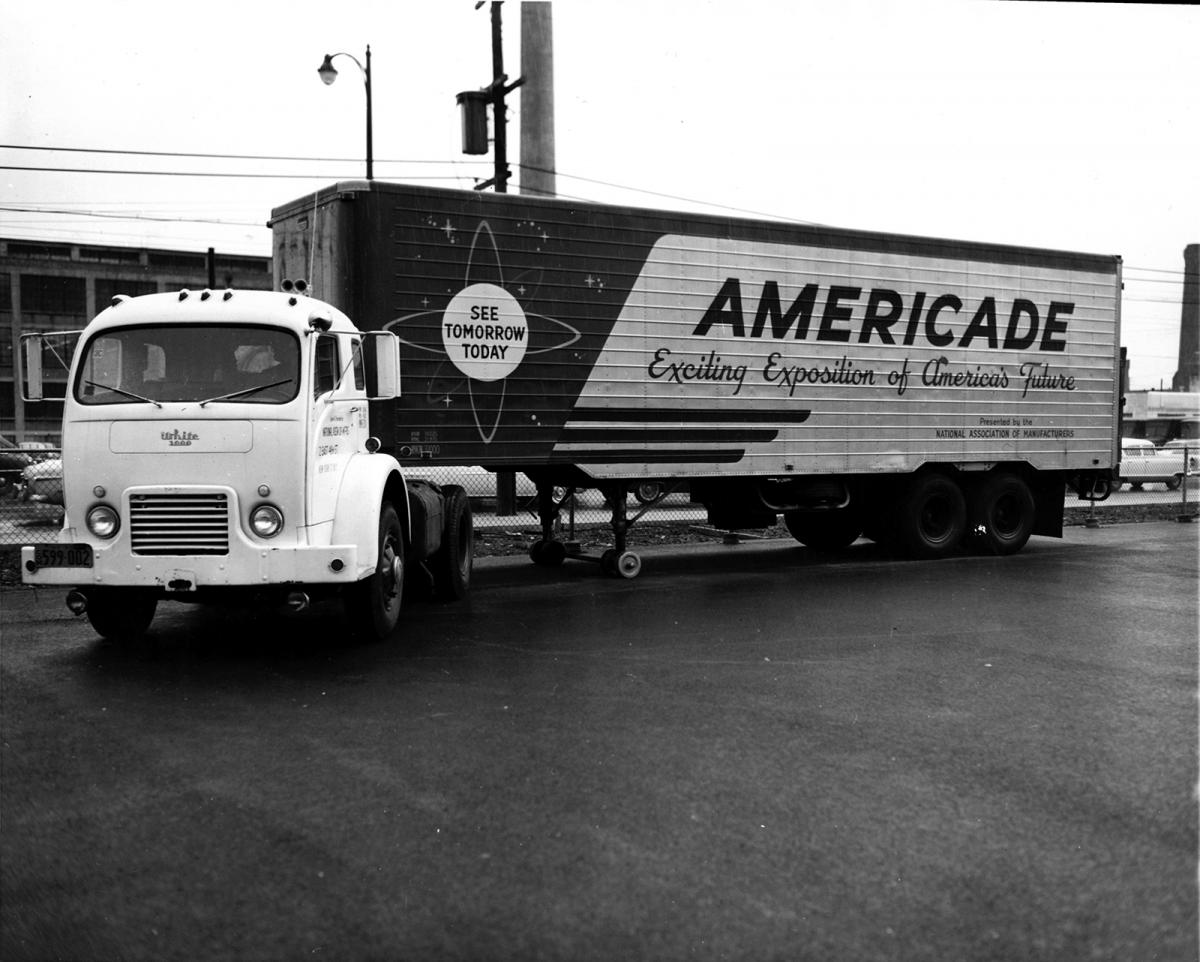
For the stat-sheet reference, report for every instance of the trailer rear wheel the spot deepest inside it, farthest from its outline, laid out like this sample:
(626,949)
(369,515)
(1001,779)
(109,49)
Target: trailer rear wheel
(120,614)
(373,604)
(1003,512)
(824,530)
(453,561)
(932,517)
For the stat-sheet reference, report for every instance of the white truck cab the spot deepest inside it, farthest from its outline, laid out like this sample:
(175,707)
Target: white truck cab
(218,444)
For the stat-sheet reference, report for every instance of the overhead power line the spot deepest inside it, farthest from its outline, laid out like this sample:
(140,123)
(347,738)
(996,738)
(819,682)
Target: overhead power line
(204,173)
(150,217)
(1172,276)
(179,154)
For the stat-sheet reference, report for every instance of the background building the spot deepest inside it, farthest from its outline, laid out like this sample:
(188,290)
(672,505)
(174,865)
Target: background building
(60,286)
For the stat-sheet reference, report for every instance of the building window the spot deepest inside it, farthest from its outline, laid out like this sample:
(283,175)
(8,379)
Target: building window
(51,303)
(108,287)
(6,320)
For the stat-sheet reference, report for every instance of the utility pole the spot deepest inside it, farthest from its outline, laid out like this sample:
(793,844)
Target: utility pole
(499,111)
(474,102)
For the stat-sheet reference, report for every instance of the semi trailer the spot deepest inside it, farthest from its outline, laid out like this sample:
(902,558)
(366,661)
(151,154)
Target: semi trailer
(931,394)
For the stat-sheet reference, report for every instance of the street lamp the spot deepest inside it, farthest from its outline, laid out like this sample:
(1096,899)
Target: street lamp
(329,74)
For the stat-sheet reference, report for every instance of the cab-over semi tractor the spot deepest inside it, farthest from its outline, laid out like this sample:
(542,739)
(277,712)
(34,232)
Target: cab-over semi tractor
(217,448)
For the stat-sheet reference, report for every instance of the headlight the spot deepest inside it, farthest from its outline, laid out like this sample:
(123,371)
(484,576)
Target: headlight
(266,520)
(103,521)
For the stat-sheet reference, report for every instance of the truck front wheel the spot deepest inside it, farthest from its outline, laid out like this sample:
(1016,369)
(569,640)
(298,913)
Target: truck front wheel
(120,614)
(932,517)
(373,604)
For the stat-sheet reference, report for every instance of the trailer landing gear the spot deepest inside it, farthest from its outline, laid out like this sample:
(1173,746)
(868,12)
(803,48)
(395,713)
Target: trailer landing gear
(617,561)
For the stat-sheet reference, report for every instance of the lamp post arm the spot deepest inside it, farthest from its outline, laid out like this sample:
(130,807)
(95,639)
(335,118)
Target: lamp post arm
(328,75)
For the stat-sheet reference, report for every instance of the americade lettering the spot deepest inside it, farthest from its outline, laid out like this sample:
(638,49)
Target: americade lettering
(886,317)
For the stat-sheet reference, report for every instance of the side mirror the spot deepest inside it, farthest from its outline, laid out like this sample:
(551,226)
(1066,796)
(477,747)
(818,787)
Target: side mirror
(382,354)
(31,346)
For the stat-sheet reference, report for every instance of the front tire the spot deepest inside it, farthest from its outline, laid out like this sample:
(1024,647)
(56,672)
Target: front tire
(120,614)
(373,604)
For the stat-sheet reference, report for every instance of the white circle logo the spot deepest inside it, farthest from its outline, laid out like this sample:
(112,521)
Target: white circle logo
(484,332)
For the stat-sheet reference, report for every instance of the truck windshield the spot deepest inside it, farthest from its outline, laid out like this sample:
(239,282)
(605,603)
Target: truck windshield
(228,364)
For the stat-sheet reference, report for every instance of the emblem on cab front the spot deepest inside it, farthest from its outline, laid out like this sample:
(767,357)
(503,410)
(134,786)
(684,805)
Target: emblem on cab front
(179,439)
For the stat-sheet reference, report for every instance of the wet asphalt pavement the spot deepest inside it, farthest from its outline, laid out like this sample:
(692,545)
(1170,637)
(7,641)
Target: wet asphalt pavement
(742,754)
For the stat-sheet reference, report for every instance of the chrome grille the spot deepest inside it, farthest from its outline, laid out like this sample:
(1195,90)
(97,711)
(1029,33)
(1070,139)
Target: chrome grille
(183,524)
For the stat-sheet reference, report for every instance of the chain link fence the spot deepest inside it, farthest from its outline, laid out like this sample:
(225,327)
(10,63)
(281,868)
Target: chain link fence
(30,494)
(1155,483)
(31,500)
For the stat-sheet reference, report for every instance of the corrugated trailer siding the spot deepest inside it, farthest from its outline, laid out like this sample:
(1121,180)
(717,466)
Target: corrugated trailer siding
(611,297)
(865,426)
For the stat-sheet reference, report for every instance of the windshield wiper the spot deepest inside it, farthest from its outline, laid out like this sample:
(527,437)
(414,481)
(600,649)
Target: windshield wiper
(121,390)
(243,393)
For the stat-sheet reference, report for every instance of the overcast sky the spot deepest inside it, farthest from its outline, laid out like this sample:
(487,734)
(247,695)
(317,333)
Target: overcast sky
(1061,125)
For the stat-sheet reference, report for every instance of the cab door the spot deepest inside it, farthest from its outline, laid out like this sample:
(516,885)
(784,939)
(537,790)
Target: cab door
(338,425)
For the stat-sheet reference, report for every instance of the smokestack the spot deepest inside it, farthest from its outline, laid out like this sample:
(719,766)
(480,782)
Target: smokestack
(1187,377)
(537,99)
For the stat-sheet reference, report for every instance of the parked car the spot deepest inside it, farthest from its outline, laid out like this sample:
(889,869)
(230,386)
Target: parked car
(1192,448)
(42,481)
(13,460)
(1143,463)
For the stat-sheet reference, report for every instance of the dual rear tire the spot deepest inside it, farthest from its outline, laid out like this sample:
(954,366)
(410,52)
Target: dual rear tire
(1002,513)
(454,560)
(931,517)
(996,511)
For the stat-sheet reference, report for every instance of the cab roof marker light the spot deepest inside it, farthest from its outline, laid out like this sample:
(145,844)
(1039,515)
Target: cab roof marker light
(119,299)
(319,322)
(183,294)
(205,294)
(227,295)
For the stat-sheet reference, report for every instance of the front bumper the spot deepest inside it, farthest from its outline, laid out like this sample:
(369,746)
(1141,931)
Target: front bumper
(259,567)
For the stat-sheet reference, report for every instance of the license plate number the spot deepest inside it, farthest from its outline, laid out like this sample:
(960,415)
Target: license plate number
(63,556)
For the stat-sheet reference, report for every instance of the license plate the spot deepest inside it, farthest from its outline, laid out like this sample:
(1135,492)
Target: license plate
(63,556)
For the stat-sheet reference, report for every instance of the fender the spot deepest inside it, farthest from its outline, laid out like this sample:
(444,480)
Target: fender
(369,478)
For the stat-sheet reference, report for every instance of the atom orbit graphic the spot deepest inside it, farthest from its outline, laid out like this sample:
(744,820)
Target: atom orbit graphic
(485,274)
